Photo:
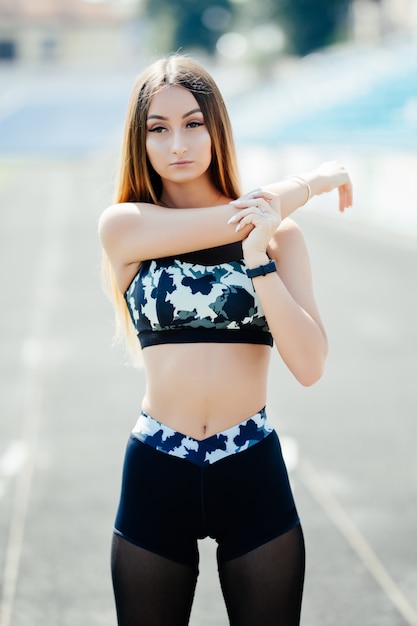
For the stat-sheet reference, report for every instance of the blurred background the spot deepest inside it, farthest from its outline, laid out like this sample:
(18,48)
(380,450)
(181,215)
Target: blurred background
(339,75)
(304,81)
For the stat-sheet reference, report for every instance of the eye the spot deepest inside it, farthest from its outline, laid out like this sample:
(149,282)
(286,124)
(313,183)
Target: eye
(157,129)
(195,124)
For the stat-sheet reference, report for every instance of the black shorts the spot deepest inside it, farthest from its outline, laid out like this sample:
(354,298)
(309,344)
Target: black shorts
(242,500)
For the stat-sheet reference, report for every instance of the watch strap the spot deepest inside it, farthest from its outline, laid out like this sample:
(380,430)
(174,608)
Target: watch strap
(262,270)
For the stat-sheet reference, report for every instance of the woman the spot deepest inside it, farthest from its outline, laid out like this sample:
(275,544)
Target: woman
(208,280)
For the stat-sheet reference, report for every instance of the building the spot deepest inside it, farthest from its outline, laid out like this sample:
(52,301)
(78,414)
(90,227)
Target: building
(66,30)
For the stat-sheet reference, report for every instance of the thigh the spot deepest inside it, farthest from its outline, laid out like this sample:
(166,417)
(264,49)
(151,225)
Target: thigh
(265,585)
(149,589)
(159,507)
(249,499)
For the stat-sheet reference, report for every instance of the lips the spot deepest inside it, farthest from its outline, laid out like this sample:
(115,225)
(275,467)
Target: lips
(179,163)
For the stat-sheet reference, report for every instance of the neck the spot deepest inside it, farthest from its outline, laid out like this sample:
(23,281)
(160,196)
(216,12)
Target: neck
(193,195)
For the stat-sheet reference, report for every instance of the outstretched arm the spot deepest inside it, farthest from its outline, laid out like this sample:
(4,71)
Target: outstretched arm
(294,191)
(133,232)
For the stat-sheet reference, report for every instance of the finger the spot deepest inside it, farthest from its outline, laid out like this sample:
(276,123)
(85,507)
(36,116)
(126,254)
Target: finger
(345,197)
(341,199)
(246,213)
(250,220)
(258,221)
(349,194)
(259,203)
(239,216)
(265,195)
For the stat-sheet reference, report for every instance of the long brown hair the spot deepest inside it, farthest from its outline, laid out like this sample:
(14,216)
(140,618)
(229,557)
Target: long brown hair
(138,181)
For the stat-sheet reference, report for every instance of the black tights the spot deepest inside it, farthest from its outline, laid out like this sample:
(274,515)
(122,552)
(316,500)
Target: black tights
(263,586)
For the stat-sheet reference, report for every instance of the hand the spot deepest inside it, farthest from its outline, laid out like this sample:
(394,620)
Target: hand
(272,198)
(260,210)
(332,175)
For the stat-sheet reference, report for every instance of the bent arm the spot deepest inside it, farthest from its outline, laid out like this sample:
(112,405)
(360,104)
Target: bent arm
(288,302)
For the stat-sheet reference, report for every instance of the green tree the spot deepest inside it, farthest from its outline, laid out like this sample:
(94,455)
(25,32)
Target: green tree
(188,24)
(310,24)
(184,24)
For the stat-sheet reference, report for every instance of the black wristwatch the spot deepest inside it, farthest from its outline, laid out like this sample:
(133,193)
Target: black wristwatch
(262,270)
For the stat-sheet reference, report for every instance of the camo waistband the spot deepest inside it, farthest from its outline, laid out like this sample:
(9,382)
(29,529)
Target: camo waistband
(206,451)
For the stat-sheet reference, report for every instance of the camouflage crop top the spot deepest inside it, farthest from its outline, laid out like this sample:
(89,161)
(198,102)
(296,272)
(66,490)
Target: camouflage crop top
(203,296)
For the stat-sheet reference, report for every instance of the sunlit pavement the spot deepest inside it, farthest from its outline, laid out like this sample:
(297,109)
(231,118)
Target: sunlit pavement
(68,401)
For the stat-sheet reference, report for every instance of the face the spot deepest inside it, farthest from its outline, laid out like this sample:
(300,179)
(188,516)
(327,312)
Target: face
(178,144)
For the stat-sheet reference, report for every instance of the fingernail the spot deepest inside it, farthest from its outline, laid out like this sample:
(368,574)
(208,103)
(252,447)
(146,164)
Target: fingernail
(235,202)
(237,228)
(232,219)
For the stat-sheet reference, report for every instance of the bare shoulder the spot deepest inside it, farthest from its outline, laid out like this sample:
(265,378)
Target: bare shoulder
(115,219)
(288,237)
(120,209)
(121,229)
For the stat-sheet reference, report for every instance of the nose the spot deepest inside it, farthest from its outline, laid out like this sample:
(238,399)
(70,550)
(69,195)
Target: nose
(178,144)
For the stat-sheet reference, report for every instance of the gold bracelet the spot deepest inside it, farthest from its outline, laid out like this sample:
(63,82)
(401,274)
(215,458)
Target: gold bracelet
(304,182)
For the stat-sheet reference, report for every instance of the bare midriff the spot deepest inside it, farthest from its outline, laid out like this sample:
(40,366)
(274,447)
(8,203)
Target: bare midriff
(202,389)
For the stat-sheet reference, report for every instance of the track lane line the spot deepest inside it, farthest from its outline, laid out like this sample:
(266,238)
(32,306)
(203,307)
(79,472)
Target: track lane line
(335,512)
(34,358)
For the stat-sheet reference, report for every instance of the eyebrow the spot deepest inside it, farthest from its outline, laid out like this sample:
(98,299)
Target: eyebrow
(161,117)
